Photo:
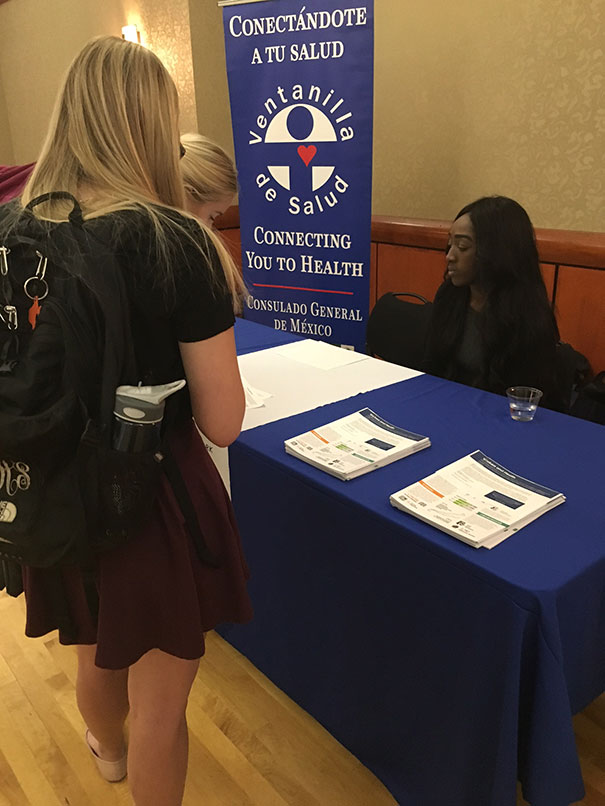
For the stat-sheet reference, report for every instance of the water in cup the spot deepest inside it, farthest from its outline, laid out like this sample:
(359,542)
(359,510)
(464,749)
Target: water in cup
(523,402)
(520,410)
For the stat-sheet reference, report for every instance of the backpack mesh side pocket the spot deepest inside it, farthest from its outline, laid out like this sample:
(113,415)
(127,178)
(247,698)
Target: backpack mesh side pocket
(118,489)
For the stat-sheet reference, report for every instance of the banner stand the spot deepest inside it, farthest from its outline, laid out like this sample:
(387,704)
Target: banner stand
(238,2)
(301,93)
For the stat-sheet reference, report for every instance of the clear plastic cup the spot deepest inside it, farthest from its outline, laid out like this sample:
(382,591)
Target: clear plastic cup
(523,402)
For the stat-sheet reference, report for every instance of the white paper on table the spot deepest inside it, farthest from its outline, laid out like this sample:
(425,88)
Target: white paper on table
(319,354)
(299,387)
(255,398)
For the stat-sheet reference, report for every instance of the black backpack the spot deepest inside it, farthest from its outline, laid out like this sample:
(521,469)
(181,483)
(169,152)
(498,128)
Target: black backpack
(65,346)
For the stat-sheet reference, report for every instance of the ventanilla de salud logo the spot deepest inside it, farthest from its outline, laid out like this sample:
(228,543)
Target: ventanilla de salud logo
(302,129)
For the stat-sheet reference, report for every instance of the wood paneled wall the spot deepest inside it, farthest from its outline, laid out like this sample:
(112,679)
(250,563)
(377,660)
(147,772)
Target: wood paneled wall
(408,255)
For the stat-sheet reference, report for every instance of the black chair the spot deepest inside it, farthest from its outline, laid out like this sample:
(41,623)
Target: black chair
(397,329)
(590,401)
(573,372)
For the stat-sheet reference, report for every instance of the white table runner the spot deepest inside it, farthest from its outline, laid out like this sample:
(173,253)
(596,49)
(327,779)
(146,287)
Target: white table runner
(302,376)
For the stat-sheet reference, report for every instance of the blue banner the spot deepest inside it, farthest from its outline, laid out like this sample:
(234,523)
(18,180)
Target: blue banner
(301,89)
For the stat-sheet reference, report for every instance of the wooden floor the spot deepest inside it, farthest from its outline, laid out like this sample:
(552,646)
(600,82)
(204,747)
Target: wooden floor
(250,744)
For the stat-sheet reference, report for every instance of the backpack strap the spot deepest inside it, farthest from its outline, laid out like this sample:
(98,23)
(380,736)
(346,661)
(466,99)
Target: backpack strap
(75,216)
(181,493)
(11,578)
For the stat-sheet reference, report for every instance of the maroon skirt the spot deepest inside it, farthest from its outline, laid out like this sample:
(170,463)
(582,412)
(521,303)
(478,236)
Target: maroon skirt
(154,592)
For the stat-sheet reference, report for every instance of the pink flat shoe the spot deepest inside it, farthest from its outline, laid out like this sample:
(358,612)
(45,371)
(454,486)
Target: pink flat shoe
(112,771)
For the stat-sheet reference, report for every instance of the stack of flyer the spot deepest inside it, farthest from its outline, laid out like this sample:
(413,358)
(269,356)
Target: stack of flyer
(476,500)
(355,444)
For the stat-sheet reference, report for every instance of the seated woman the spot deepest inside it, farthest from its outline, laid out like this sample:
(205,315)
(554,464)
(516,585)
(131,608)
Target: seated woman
(493,325)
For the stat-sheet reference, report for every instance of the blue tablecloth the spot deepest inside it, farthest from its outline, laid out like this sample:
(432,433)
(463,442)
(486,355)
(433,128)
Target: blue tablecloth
(446,670)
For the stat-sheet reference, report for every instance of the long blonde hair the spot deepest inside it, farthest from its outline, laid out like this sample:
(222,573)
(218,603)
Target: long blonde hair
(113,142)
(114,129)
(208,171)
(209,174)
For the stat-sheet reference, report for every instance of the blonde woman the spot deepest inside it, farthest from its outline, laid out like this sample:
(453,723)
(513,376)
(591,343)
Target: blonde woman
(210,182)
(113,143)
(209,175)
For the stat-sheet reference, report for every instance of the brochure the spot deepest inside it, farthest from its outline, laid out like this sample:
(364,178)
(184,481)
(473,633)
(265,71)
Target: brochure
(476,500)
(355,444)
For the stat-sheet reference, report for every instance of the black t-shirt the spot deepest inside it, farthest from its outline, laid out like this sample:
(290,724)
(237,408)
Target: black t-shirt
(176,293)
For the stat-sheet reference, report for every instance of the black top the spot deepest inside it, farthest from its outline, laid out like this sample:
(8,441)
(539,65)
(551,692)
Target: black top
(176,296)
(457,349)
(467,363)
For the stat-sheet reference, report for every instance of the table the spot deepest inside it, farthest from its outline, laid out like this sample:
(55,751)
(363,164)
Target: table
(303,375)
(446,670)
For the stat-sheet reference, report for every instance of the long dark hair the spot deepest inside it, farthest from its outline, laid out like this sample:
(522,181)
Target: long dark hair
(517,324)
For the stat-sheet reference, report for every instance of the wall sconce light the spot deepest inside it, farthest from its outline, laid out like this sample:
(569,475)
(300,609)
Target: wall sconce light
(131,34)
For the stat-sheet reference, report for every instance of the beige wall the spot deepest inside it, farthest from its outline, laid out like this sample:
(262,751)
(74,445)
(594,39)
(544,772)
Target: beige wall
(483,96)
(214,117)
(6,141)
(471,98)
(39,38)
(166,30)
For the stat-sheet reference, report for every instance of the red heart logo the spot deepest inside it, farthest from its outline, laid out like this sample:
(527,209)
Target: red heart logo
(306,153)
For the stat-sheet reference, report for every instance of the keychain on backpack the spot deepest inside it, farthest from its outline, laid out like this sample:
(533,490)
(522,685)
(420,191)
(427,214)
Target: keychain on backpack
(35,308)
(4,251)
(8,312)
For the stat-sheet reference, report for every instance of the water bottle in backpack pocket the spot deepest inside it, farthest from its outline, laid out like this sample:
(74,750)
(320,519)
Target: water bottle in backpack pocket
(120,482)
(138,413)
